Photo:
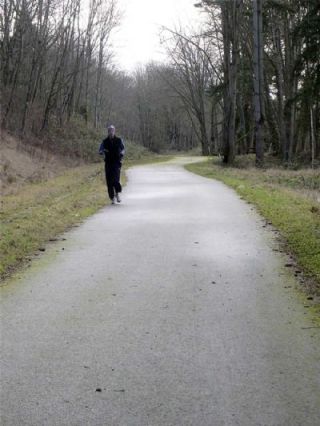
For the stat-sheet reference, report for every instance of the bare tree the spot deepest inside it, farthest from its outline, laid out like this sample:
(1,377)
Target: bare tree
(108,19)
(191,78)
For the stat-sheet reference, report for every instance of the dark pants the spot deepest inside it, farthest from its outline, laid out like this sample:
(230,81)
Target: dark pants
(113,179)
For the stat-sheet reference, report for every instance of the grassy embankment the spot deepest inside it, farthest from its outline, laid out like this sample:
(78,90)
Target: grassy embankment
(289,199)
(39,212)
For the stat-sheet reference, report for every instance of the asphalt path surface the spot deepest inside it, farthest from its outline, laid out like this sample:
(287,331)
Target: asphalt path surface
(169,309)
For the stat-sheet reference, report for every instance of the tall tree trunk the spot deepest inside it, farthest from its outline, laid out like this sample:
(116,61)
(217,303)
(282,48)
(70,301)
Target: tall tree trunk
(279,77)
(230,15)
(15,75)
(213,125)
(226,74)
(258,81)
(204,138)
(98,82)
(8,7)
(312,137)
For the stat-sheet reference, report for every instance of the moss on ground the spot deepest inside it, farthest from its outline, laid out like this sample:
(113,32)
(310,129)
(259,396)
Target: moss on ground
(284,201)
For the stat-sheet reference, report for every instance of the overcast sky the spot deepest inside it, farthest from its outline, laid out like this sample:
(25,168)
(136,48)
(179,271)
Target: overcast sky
(137,40)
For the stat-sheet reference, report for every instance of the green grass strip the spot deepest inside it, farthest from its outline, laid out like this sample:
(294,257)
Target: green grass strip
(295,216)
(41,211)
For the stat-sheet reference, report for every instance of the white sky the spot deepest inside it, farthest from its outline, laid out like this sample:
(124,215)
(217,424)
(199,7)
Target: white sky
(137,39)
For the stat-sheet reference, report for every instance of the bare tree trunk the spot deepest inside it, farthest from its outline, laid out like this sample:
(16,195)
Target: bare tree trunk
(312,137)
(97,91)
(230,15)
(8,7)
(36,57)
(15,74)
(213,124)
(226,73)
(90,41)
(53,92)
(258,81)
(77,106)
(279,74)
(108,18)
(242,149)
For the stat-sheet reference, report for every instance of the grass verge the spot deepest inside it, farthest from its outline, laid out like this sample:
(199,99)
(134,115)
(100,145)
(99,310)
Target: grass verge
(39,212)
(283,200)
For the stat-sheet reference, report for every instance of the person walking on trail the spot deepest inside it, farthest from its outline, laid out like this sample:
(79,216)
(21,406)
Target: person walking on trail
(112,148)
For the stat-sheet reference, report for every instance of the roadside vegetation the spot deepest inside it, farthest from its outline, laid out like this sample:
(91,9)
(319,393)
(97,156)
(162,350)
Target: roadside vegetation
(38,212)
(288,199)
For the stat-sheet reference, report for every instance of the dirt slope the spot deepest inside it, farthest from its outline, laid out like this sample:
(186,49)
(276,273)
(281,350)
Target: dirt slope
(22,163)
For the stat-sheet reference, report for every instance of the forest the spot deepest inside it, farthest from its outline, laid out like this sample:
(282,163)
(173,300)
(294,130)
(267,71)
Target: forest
(246,82)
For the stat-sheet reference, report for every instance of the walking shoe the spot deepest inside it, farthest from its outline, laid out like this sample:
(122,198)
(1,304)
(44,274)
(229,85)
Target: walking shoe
(113,201)
(118,198)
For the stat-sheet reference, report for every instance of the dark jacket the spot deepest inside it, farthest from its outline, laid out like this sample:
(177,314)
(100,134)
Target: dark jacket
(113,150)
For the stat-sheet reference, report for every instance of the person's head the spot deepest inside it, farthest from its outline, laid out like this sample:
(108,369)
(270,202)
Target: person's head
(111,130)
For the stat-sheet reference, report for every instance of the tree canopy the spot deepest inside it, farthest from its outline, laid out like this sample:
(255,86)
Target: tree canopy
(248,81)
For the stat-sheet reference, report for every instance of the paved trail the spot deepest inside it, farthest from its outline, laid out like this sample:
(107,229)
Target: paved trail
(169,309)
